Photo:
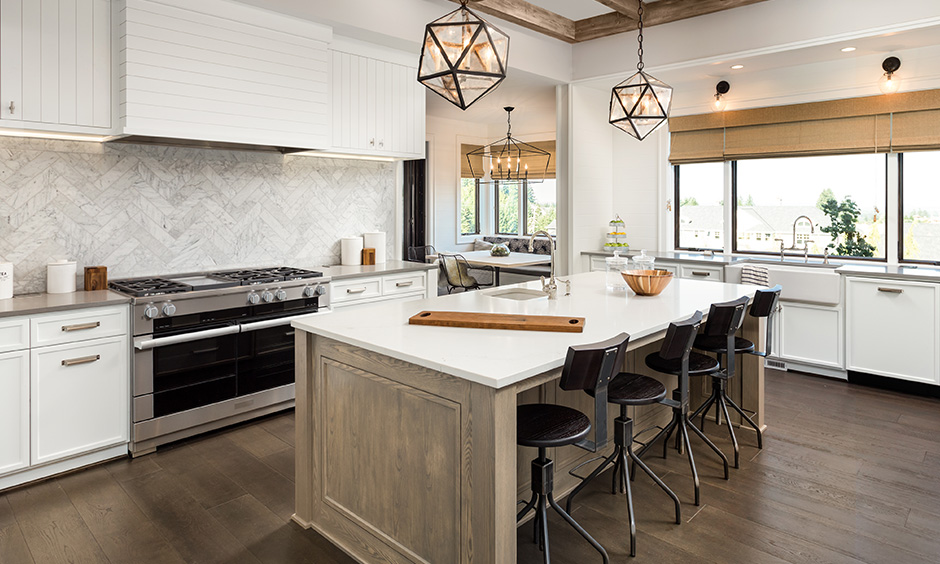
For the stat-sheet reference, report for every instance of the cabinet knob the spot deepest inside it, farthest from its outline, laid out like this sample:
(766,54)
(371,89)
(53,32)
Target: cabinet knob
(372,142)
(12,106)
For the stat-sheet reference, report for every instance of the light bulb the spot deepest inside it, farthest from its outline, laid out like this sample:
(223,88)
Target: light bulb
(719,104)
(889,83)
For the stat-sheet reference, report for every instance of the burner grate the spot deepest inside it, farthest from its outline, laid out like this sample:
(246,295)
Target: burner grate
(142,287)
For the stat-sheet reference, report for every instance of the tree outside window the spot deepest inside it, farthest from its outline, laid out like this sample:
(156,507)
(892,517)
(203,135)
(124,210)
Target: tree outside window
(469,206)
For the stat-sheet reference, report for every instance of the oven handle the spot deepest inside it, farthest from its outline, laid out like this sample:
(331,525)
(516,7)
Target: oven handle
(147,344)
(268,323)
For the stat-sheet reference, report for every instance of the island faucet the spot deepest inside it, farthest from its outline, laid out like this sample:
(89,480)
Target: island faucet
(551,288)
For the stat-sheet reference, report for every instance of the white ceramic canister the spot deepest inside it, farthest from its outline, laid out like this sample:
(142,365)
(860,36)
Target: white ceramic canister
(376,240)
(351,251)
(6,280)
(60,277)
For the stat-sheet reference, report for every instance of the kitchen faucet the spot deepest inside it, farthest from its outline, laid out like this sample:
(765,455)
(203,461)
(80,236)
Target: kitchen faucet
(551,288)
(793,247)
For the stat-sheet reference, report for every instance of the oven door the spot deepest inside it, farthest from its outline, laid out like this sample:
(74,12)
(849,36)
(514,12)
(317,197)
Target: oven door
(191,369)
(266,354)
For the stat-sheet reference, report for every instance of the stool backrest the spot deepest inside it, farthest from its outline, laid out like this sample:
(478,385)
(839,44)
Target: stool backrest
(590,368)
(679,337)
(456,270)
(765,305)
(726,318)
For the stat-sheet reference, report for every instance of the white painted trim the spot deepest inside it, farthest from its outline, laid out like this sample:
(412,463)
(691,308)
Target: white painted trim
(430,194)
(40,472)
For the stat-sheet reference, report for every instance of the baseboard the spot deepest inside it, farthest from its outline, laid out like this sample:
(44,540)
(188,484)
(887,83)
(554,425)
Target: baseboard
(41,472)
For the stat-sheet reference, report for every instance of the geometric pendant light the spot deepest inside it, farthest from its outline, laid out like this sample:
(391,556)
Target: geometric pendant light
(463,57)
(509,159)
(641,103)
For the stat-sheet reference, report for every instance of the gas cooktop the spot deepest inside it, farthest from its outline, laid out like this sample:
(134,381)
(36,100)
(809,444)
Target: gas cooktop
(158,286)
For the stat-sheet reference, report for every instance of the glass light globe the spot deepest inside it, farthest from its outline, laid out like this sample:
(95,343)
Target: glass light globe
(719,104)
(889,83)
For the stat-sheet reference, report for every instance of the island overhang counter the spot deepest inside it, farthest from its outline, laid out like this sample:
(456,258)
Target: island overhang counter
(406,447)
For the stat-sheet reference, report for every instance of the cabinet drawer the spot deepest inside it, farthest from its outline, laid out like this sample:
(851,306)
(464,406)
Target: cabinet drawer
(79,398)
(714,274)
(403,284)
(357,289)
(14,334)
(80,325)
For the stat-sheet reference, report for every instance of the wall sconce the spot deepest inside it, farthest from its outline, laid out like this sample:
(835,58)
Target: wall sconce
(721,89)
(889,83)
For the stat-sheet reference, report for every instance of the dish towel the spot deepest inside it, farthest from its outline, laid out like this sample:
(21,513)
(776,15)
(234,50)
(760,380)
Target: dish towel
(755,275)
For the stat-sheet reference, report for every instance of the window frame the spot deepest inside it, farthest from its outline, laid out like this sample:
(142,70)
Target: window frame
(901,259)
(496,230)
(734,220)
(677,224)
(476,211)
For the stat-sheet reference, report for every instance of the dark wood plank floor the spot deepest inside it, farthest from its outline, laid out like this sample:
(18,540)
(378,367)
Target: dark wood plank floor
(847,475)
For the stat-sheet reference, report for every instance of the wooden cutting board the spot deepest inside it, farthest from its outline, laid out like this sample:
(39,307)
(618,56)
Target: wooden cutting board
(514,322)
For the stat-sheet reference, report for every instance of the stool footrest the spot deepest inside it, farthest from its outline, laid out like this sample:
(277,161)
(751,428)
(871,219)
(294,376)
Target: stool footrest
(585,463)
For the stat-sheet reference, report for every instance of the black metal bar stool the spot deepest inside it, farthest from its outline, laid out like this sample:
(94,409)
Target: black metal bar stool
(628,389)
(713,340)
(587,367)
(676,357)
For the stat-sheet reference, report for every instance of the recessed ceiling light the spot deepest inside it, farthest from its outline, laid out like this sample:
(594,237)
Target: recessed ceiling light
(737,67)
(848,49)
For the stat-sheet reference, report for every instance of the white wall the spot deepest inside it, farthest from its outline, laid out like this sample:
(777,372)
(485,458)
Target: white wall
(639,181)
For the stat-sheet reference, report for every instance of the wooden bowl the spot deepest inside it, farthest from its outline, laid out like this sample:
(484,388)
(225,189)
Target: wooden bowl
(647,282)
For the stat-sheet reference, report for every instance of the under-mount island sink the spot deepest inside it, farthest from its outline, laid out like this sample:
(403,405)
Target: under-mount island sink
(518,294)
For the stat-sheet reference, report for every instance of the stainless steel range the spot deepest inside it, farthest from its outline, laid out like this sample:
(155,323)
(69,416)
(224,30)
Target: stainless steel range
(215,348)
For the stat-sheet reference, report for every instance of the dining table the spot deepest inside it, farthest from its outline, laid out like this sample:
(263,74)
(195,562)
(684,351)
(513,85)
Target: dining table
(513,260)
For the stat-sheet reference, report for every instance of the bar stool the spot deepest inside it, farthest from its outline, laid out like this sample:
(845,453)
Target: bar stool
(764,305)
(544,426)
(627,389)
(676,357)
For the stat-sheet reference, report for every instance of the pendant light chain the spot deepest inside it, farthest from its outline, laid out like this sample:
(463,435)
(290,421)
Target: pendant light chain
(639,52)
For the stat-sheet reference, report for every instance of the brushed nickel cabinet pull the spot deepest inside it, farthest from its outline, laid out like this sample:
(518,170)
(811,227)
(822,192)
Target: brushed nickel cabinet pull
(355,290)
(891,290)
(404,284)
(81,360)
(81,326)
(700,273)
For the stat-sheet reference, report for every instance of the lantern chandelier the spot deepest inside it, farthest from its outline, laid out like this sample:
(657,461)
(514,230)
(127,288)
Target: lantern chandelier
(509,159)
(463,57)
(640,104)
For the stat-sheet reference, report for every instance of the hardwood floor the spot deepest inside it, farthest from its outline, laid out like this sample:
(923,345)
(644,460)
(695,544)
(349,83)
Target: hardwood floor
(847,475)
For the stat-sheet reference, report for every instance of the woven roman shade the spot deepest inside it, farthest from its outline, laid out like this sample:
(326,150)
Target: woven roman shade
(900,122)
(465,171)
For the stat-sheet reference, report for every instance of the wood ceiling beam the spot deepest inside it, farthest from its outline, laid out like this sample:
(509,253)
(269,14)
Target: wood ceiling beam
(628,8)
(655,13)
(528,16)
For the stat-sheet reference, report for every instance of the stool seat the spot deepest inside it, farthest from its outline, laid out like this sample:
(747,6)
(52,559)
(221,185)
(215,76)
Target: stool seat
(545,425)
(719,343)
(698,364)
(634,389)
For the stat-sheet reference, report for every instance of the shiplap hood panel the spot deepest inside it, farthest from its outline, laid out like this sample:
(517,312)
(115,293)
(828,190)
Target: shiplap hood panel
(217,71)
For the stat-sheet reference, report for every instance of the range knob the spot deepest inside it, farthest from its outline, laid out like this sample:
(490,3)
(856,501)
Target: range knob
(310,291)
(267,296)
(253,298)
(280,295)
(169,309)
(321,290)
(151,311)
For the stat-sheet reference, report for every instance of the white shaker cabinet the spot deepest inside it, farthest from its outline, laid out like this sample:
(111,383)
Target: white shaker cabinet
(378,104)
(79,397)
(55,65)
(892,328)
(810,334)
(14,411)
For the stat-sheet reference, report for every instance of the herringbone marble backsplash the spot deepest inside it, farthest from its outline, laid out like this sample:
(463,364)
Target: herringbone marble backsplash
(145,210)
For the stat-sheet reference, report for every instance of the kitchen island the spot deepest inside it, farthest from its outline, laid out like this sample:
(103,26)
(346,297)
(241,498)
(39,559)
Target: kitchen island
(406,447)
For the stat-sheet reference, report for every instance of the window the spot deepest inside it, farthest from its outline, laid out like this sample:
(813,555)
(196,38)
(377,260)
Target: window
(469,206)
(700,205)
(507,208)
(772,194)
(540,208)
(920,206)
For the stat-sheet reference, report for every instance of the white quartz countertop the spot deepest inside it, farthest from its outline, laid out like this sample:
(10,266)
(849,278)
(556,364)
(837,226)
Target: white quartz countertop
(500,358)
(28,304)
(338,272)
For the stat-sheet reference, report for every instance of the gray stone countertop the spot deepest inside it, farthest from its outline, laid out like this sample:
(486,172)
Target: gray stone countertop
(29,304)
(893,272)
(338,272)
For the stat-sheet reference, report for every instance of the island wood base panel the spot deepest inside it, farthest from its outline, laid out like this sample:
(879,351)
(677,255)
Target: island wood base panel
(397,463)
